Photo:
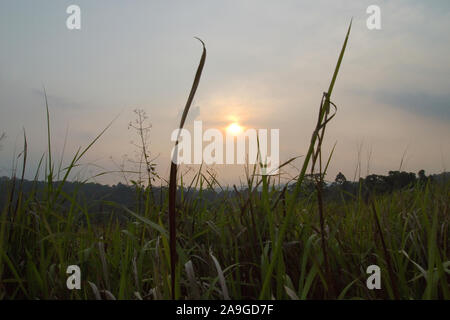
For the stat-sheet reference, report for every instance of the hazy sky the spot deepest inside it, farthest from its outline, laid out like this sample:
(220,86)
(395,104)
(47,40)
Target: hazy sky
(268,63)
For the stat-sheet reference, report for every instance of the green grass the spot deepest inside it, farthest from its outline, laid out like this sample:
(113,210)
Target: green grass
(263,242)
(225,250)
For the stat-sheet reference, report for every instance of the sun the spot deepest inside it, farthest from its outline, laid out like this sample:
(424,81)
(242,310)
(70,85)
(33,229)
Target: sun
(235,128)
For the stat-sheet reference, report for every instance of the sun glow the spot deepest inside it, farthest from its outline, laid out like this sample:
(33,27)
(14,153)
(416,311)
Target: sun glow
(235,128)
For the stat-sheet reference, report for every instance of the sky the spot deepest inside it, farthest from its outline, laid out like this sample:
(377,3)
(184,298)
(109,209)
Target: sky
(267,65)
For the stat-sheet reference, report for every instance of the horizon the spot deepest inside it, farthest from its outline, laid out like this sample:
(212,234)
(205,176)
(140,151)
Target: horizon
(239,187)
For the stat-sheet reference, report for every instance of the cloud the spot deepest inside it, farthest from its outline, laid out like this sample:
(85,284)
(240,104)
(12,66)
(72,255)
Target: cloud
(435,105)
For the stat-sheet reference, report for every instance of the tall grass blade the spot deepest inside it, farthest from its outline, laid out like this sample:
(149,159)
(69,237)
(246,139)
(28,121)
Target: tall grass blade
(173,174)
(293,196)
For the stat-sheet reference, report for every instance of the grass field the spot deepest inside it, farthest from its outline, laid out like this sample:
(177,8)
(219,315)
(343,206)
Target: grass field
(265,241)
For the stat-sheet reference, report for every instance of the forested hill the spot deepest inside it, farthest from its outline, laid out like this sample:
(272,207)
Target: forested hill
(95,193)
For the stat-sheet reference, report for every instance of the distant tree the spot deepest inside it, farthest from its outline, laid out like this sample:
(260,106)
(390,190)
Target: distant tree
(340,179)
(398,180)
(376,183)
(422,176)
